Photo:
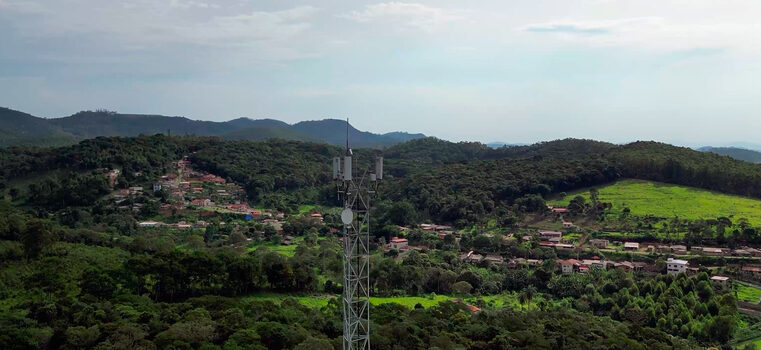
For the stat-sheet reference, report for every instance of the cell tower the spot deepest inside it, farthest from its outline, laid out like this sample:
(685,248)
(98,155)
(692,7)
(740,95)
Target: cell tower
(356,192)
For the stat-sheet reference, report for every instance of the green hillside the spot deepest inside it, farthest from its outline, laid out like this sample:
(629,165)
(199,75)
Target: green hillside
(259,133)
(666,200)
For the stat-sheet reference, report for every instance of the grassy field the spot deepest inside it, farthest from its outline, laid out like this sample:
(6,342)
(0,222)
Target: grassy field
(754,341)
(666,200)
(746,292)
(287,250)
(497,301)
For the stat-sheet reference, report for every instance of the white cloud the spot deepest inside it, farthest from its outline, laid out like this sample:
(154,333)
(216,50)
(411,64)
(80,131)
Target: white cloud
(191,3)
(409,14)
(655,33)
(148,23)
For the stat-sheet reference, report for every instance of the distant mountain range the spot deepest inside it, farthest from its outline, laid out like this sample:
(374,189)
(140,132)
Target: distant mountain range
(18,128)
(735,152)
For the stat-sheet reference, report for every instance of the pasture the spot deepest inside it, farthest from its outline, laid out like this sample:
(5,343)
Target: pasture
(667,200)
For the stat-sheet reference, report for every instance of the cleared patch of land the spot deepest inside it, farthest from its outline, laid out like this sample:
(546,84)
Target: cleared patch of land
(666,200)
(747,292)
(497,301)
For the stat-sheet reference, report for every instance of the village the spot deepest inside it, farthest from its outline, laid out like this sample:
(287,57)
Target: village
(580,254)
(203,194)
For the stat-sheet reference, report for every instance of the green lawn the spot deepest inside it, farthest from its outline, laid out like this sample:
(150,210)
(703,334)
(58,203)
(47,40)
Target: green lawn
(666,200)
(747,292)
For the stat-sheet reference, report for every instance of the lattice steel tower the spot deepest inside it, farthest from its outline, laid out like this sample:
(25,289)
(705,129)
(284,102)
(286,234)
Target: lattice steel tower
(356,193)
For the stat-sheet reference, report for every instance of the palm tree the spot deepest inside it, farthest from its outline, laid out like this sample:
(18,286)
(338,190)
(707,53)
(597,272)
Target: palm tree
(526,295)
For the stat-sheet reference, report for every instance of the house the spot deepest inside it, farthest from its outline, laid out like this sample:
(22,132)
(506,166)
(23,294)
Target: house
(631,246)
(546,244)
(148,224)
(568,266)
(567,224)
(678,249)
(625,265)
(156,187)
(398,243)
(316,216)
(755,270)
(676,266)
(722,280)
(559,210)
(135,190)
(753,251)
(713,251)
(197,189)
(550,234)
(599,243)
(278,225)
(287,240)
(238,207)
(594,263)
(182,225)
(741,252)
(202,202)
(474,258)
(494,259)
(563,246)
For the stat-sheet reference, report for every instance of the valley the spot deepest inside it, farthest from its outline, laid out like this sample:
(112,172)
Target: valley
(195,242)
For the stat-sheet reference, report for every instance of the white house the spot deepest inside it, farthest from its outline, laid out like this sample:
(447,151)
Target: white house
(148,224)
(567,266)
(676,266)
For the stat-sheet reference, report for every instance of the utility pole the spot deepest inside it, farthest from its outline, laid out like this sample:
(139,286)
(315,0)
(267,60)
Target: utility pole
(356,192)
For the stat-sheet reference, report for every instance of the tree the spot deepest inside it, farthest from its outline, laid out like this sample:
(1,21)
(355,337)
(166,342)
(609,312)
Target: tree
(577,205)
(402,213)
(314,344)
(462,288)
(527,294)
(37,237)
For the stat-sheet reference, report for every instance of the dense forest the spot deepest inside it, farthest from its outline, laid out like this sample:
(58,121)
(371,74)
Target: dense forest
(74,288)
(459,183)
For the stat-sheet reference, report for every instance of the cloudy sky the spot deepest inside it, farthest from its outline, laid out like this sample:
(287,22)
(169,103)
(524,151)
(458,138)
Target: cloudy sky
(682,71)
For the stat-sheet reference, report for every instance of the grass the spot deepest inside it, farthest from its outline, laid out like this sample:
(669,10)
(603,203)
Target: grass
(287,250)
(666,200)
(754,341)
(305,208)
(746,292)
(497,301)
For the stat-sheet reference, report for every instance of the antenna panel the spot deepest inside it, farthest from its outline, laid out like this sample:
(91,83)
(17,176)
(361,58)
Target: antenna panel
(336,168)
(347,168)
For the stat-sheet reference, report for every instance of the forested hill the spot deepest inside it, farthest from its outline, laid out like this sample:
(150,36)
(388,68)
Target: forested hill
(17,128)
(444,181)
(736,153)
